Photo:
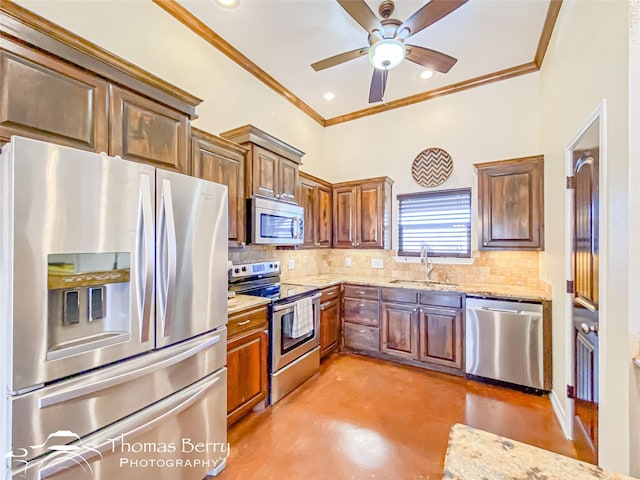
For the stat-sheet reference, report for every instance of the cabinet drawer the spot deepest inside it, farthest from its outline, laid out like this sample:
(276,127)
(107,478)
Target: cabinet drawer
(330,293)
(399,295)
(360,337)
(356,291)
(441,299)
(247,320)
(362,312)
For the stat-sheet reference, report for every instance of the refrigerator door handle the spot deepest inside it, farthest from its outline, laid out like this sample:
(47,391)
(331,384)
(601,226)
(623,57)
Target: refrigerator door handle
(167,254)
(145,259)
(91,388)
(110,439)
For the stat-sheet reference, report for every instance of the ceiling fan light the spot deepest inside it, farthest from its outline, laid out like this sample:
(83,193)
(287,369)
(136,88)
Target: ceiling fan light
(386,54)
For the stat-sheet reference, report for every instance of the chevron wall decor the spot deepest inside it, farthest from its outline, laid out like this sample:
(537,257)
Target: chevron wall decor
(431,167)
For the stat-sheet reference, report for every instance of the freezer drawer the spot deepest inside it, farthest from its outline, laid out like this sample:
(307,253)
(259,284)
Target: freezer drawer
(86,403)
(504,341)
(180,438)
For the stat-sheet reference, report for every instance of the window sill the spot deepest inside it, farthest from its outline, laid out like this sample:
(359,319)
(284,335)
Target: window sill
(437,260)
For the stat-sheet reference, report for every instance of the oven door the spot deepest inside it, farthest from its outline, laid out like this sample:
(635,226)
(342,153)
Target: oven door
(285,347)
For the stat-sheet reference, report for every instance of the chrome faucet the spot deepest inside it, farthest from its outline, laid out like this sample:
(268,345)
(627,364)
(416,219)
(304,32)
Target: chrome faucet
(424,258)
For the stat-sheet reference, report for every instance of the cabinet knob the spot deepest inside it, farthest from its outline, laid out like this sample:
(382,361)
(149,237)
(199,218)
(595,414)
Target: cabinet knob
(243,244)
(415,309)
(278,195)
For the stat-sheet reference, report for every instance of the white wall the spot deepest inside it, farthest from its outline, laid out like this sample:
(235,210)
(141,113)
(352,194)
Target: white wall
(494,122)
(586,63)
(634,227)
(142,33)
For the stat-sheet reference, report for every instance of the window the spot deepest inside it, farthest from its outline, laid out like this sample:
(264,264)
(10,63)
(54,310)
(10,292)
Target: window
(440,220)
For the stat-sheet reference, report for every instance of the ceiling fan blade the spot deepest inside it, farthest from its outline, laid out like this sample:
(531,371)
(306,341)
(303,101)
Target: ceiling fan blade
(340,58)
(378,85)
(362,14)
(430,58)
(427,15)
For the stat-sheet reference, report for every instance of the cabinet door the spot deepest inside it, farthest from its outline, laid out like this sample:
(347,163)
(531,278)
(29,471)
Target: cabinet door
(265,172)
(344,217)
(441,336)
(49,100)
(399,331)
(323,216)
(370,212)
(211,163)
(329,326)
(147,132)
(510,205)
(287,185)
(307,201)
(246,373)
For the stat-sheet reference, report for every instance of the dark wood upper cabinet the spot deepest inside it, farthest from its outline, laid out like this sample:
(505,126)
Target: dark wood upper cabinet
(272,169)
(511,204)
(47,99)
(60,88)
(315,198)
(218,160)
(145,131)
(362,213)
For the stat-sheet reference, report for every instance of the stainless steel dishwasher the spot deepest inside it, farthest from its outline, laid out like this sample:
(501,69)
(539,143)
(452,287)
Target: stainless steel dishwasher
(504,341)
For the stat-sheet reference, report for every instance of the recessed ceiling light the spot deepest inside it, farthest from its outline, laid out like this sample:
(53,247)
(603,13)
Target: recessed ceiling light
(329,96)
(426,74)
(228,3)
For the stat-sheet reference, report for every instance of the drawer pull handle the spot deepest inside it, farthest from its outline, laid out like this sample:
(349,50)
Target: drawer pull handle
(360,331)
(362,305)
(360,292)
(244,323)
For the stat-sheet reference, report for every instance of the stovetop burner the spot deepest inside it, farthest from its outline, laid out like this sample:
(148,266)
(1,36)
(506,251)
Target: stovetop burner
(263,280)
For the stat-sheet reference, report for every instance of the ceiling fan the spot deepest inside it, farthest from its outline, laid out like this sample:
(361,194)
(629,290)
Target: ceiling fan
(386,48)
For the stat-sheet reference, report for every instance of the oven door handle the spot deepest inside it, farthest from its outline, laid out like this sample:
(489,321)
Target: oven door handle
(291,304)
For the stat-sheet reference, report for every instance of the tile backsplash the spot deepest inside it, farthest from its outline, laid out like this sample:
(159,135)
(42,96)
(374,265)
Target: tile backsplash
(488,267)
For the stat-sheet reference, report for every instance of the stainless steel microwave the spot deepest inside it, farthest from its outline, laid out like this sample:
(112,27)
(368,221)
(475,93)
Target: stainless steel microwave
(275,223)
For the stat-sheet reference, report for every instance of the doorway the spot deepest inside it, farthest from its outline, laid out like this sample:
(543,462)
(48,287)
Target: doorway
(584,186)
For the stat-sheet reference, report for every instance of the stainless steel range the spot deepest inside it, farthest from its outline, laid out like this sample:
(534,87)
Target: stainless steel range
(294,323)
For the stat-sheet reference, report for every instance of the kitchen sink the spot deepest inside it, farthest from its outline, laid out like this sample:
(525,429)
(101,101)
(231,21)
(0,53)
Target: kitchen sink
(423,283)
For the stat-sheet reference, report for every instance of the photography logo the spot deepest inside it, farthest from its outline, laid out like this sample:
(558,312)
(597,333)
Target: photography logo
(65,450)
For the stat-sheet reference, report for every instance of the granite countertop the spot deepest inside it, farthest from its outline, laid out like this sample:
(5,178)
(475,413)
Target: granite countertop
(501,291)
(474,454)
(244,302)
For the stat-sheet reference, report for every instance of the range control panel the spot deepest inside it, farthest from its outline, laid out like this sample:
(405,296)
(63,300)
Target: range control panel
(253,269)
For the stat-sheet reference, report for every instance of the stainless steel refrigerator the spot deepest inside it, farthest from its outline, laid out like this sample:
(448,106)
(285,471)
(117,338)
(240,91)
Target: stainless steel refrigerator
(113,313)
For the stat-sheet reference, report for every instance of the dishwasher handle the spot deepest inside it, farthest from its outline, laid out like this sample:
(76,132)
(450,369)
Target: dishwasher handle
(506,310)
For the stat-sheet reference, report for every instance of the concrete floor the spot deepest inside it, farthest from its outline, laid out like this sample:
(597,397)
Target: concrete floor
(362,418)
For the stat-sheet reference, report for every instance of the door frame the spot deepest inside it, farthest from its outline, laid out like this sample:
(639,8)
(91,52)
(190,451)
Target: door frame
(600,113)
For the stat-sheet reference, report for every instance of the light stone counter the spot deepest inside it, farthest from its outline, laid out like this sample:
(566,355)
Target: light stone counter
(474,454)
(244,302)
(500,291)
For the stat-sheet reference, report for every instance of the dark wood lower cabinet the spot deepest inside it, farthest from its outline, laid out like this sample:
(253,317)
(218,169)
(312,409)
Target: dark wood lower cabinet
(441,337)
(399,331)
(247,350)
(329,326)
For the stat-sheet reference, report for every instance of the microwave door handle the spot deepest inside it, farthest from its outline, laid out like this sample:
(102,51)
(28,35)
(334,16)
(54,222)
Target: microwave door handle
(295,227)
(169,257)
(144,258)
(129,429)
